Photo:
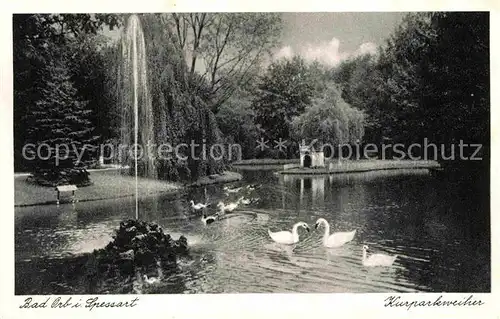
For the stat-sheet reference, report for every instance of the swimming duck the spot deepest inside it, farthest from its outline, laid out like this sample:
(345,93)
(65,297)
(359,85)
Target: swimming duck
(251,187)
(254,200)
(375,260)
(244,201)
(207,220)
(199,205)
(232,190)
(336,239)
(227,208)
(287,237)
(151,280)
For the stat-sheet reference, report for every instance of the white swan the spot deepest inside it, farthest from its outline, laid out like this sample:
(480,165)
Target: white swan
(207,220)
(199,205)
(375,260)
(286,237)
(335,239)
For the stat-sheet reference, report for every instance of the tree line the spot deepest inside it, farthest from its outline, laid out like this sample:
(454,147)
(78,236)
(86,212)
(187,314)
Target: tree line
(207,83)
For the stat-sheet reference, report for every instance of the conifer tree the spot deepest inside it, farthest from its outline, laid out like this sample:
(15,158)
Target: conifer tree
(57,124)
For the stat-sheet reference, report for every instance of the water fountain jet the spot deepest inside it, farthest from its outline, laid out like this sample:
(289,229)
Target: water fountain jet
(137,114)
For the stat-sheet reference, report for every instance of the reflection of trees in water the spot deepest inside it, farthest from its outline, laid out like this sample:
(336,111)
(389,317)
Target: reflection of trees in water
(258,176)
(71,229)
(343,191)
(307,191)
(44,234)
(369,176)
(441,230)
(318,192)
(434,230)
(103,210)
(48,276)
(71,275)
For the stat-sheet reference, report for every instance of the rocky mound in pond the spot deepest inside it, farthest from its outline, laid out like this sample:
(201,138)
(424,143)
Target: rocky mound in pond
(138,248)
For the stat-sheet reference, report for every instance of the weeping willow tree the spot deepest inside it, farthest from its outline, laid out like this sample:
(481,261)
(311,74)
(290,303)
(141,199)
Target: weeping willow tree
(330,120)
(181,117)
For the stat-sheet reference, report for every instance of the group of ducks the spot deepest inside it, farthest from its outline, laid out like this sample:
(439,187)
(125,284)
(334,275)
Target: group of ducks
(334,240)
(221,206)
(222,209)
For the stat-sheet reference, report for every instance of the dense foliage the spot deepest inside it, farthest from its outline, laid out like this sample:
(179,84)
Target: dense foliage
(330,120)
(430,80)
(181,115)
(236,120)
(284,92)
(50,109)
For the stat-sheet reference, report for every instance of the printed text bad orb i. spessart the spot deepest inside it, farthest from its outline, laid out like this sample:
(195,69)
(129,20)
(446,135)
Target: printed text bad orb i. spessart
(70,302)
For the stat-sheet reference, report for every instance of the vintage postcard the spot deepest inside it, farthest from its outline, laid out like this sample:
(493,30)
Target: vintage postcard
(267,161)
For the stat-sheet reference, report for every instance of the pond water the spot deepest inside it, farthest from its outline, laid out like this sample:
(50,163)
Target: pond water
(439,230)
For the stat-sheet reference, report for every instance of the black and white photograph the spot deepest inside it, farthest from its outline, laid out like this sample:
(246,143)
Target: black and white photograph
(251,152)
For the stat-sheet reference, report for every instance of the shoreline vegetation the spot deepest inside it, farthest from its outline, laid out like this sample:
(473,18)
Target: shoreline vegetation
(108,184)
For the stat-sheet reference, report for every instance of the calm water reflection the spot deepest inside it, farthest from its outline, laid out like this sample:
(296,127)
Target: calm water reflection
(439,230)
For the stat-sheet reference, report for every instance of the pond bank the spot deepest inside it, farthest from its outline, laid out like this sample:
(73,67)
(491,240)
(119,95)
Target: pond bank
(225,177)
(266,161)
(362,166)
(265,164)
(107,184)
(291,166)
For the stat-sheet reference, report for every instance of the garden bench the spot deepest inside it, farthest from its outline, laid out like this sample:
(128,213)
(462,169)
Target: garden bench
(66,188)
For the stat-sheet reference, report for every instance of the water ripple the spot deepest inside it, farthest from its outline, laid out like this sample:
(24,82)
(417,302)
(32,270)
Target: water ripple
(236,253)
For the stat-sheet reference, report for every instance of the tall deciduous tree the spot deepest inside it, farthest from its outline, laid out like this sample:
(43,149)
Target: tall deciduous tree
(285,90)
(236,119)
(225,49)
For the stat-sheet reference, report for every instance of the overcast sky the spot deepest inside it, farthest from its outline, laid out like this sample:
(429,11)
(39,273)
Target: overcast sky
(332,37)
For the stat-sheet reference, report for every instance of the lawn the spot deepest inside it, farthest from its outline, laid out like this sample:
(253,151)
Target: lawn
(106,184)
